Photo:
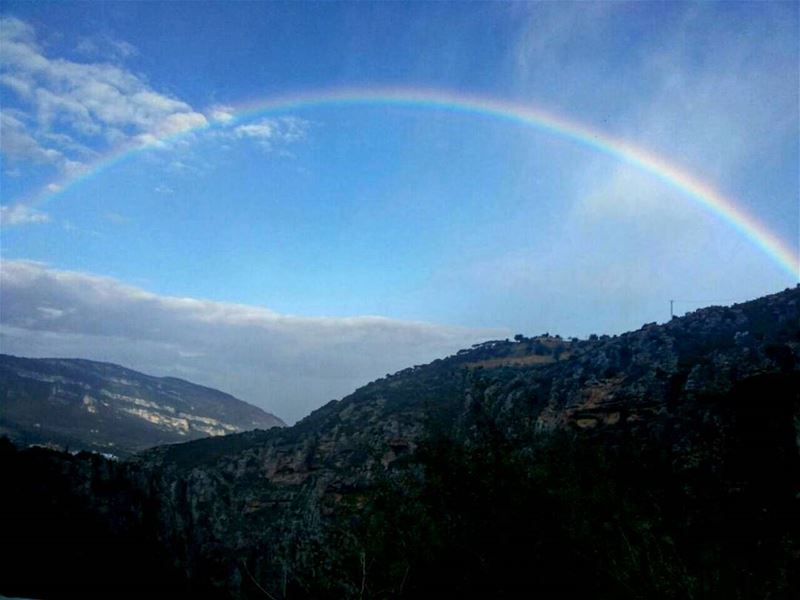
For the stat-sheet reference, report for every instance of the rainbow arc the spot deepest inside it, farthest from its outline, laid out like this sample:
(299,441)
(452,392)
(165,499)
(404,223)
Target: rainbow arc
(692,187)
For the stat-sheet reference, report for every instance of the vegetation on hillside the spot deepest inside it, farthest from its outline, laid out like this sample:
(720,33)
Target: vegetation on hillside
(661,463)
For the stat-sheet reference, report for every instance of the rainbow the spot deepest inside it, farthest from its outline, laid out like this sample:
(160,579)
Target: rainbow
(676,177)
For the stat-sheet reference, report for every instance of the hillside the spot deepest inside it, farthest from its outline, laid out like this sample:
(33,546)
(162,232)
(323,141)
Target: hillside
(660,463)
(88,405)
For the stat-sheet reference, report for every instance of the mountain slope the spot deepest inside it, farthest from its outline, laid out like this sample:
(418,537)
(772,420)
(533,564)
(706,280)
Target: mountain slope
(104,407)
(660,463)
(632,380)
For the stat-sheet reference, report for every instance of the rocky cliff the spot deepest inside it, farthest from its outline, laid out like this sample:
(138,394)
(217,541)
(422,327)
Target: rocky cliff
(659,463)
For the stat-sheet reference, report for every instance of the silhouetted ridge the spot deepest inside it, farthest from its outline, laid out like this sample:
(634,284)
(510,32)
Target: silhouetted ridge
(660,463)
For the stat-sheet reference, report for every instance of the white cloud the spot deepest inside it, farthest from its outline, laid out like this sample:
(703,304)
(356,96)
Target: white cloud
(19,86)
(104,46)
(286,364)
(73,168)
(49,312)
(221,114)
(263,129)
(163,189)
(17,144)
(63,106)
(270,133)
(12,28)
(19,214)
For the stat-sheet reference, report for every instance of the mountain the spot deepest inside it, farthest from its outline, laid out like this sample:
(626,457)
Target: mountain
(83,404)
(660,463)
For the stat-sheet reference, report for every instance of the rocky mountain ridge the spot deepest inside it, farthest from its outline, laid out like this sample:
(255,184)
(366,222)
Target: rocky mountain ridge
(90,405)
(662,462)
(605,380)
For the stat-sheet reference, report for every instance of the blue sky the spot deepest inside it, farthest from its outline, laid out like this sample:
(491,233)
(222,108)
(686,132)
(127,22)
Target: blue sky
(343,242)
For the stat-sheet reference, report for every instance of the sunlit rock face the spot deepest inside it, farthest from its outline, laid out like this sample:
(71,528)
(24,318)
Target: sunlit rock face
(82,404)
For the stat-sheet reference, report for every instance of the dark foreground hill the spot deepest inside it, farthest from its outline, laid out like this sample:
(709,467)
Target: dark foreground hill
(88,405)
(662,463)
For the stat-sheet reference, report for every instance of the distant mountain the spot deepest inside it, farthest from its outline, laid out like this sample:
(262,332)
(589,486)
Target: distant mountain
(102,407)
(660,463)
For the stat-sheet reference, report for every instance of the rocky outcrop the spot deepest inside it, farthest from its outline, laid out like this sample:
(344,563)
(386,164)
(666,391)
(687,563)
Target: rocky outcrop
(246,513)
(241,499)
(106,408)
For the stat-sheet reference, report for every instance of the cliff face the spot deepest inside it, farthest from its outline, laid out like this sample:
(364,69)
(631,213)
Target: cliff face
(106,408)
(663,462)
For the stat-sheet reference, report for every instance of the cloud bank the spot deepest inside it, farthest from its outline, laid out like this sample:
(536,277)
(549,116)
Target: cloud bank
(286,364)
(67,107)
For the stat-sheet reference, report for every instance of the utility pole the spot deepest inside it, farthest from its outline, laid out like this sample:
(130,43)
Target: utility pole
(671,312)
